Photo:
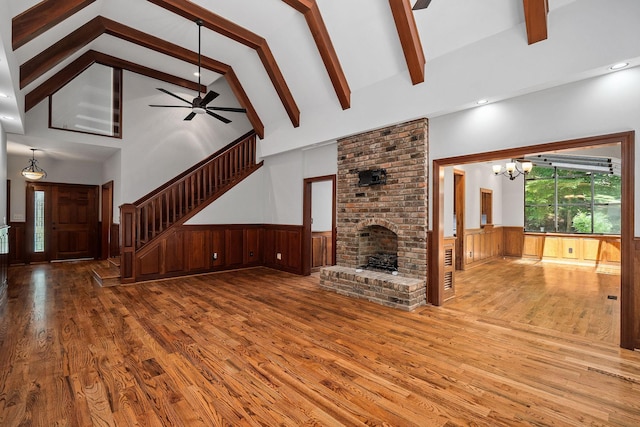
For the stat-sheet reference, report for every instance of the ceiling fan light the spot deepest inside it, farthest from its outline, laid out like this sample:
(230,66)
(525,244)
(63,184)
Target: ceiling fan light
(199,110)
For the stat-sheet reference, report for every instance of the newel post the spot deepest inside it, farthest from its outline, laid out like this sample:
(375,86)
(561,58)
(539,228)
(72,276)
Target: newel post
(128,238)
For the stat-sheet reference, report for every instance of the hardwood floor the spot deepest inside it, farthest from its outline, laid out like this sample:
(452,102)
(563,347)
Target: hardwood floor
(565,298)
(263,348)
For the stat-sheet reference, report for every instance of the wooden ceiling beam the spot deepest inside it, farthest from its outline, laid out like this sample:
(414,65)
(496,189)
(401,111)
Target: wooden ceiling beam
(42,17)
(91,57)
(59,51)
(60,79)
(243,99)
(535,16)
(220,25)
(409,39)
(55,54)
(311,12)
(68,45)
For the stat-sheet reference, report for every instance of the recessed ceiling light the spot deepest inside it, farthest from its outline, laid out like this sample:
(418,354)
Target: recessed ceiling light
(197,74)
(482,101)
(619,66)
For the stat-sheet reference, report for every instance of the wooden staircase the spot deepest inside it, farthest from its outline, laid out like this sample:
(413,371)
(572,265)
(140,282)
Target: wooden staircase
(145,221)
(107,274)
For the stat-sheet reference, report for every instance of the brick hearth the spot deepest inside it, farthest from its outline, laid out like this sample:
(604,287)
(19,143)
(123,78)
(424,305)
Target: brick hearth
(400,206)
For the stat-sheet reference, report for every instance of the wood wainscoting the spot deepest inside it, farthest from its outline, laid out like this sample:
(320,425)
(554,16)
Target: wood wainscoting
(581,249)
(283,247)
(4,262)
(482,244)
(17,242)
(321,249)
(195,249)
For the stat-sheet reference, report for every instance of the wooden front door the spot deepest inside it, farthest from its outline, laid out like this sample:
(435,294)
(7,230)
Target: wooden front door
(69,229)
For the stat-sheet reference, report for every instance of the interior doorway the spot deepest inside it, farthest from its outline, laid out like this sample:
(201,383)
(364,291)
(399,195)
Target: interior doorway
(458,215)
(628,332)
(62,221)
(319,223)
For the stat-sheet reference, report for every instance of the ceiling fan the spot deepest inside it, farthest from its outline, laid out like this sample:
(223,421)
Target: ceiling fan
(199,105)
(421,4)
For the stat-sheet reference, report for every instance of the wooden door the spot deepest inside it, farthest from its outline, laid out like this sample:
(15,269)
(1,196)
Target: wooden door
(459,212)
(107,219)
(74,221)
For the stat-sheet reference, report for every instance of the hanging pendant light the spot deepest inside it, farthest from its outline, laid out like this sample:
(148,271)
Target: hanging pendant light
(33,171)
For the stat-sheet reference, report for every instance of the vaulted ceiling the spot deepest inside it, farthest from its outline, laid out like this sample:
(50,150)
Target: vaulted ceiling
(280,57)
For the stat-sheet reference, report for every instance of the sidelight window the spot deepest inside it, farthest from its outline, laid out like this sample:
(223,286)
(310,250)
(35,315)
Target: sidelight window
(38,227)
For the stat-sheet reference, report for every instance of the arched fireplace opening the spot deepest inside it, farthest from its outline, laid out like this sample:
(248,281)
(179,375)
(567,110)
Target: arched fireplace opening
(378,249)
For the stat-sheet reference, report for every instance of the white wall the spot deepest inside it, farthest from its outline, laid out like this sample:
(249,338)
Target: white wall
(513,202)
(596,106)
(58,171)
(4,215)
(111,172)
(497,67)
(284,176)
(242,205)
(477,176)
(321,160)
(158,145)
(321,205)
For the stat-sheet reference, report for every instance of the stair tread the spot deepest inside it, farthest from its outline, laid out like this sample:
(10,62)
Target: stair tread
(106,276)
(107,272)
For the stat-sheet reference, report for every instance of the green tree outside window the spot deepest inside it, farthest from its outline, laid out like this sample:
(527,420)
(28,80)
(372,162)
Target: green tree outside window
(572,201)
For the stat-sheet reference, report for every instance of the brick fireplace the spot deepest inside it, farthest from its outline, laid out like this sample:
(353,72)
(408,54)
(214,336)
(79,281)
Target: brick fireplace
(383,218)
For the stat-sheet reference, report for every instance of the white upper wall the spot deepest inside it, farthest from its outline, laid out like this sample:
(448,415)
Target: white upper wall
(583,35)
(158,144)
(597,106)
(58,171)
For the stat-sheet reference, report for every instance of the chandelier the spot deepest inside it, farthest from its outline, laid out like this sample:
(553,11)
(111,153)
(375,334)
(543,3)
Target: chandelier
(33,171)
(512,170)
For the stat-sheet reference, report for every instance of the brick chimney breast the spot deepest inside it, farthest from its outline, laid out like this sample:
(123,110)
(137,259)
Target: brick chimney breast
(399,206)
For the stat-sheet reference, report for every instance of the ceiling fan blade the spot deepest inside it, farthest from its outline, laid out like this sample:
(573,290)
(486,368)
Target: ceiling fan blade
(190,116)
(209,97)
(421,4)
(232,110)
(219,117)
(174,95)
(171,106)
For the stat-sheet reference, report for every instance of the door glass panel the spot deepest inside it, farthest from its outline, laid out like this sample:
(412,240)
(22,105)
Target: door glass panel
(38,228)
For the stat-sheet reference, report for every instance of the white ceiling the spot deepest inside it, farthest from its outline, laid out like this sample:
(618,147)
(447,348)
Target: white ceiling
(362,31)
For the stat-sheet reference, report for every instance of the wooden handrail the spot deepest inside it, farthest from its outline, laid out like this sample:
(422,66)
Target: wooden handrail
(176,200)
(250,134)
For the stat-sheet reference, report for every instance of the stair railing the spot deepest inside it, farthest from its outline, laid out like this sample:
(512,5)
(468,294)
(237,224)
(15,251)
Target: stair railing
(182,197)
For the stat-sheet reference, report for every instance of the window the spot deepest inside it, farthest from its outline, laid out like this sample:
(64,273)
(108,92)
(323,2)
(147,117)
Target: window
(572,201)
(90,103)
(38,223)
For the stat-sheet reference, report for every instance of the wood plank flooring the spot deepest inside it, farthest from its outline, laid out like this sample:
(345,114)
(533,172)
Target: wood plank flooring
(565,298)
(264,348)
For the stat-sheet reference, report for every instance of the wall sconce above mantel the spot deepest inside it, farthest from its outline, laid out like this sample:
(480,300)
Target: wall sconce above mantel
(513,169)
